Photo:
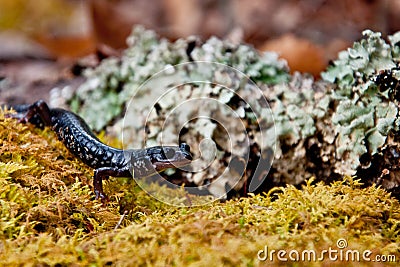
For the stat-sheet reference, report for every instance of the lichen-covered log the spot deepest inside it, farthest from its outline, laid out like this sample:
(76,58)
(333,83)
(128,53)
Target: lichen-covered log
(366,117)
(151,80)
(349,126)
(346,123)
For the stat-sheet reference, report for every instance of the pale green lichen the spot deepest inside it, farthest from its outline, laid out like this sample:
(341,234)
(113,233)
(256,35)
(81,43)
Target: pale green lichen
(154,71)
(364,116)
(321,128)
(110,86)
(326,129)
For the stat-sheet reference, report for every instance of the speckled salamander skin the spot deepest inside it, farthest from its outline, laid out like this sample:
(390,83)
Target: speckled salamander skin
(77,137)
(107,161)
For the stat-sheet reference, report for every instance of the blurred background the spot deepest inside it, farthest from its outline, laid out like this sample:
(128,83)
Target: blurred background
(41,40)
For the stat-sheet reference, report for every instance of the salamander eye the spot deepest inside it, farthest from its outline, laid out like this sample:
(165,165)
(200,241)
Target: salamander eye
(169,153)
(184,147)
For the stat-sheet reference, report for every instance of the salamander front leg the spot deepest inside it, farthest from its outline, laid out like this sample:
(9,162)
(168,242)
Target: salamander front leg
(104,173)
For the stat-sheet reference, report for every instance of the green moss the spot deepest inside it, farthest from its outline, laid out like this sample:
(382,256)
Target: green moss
(49,217)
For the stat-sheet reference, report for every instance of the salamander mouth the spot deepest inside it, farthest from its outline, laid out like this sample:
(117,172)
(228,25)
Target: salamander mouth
(171,157)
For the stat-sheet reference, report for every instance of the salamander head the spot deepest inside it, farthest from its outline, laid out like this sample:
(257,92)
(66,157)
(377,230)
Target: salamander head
(152,160)
(164,157)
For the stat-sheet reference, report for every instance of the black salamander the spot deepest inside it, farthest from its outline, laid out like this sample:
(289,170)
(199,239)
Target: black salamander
(107,161)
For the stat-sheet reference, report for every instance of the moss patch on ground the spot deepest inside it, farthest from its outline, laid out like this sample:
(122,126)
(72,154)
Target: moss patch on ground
(49,216)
